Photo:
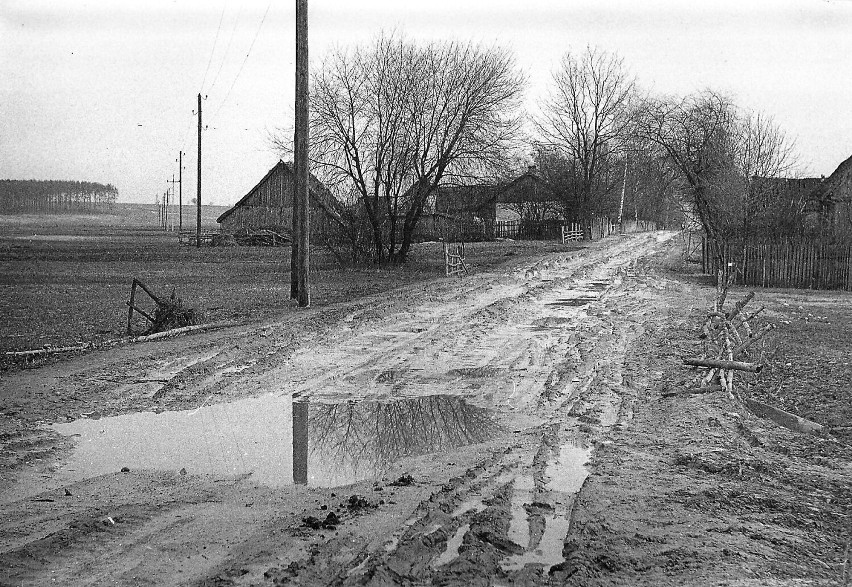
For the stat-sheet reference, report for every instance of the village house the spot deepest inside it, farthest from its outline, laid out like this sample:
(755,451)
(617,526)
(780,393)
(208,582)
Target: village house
(269,205)
(829,204)
(472,209)
(528,197)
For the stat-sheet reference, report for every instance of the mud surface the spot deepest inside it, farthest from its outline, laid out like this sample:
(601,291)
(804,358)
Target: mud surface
(503,429)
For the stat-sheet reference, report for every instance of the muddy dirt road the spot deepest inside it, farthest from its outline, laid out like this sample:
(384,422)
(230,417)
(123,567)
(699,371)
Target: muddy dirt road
(440,435)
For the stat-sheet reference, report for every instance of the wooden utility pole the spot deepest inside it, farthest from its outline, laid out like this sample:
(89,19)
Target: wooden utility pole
(166,209)
(180,191)
(621,205)
(173,181)
(198,196)
(300,260)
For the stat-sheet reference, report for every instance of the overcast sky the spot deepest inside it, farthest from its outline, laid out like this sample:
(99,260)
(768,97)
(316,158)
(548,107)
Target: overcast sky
(105,91)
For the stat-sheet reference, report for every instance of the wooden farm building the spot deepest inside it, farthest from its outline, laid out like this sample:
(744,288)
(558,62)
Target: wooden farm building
(528,196)
(269,205)
(830,203)
(469,212)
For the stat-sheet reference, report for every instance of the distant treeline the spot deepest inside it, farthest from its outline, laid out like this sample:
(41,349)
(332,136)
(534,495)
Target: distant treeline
(32,195)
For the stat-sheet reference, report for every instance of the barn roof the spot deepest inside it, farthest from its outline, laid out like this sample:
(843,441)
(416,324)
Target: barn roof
(464,198)
(529,187)
(316,190)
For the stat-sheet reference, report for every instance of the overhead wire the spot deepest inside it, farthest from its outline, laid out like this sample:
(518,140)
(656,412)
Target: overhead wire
(182,143)
(213,50)
(225,99)
(227,48)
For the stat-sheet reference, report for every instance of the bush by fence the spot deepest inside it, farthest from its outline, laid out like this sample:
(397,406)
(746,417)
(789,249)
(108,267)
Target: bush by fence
(796,264)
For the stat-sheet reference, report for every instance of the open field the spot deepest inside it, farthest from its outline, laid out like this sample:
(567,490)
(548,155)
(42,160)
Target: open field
(507,428)
(65,279)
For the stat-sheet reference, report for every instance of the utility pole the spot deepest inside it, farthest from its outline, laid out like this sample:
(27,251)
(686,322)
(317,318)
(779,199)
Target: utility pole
(623,190)
(180,191)
(166,209)
(173,181)
(159,210)
(300,260)
(198,196)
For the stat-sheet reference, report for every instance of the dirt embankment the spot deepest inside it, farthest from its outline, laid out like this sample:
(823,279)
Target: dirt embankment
(505,429)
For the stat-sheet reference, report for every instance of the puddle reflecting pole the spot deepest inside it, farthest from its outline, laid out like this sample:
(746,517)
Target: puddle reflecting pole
(300,443)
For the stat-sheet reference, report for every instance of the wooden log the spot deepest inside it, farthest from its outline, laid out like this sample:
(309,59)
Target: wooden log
(751,316)
(782,418)
(47,351)
(692,390)
(148,291)
(184,330)
(755,337)
(738,307)
(721,364)
(145,314)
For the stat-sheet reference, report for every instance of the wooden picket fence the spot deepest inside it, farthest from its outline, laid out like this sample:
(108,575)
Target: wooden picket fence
(801,265)
(572,232)
(528,229)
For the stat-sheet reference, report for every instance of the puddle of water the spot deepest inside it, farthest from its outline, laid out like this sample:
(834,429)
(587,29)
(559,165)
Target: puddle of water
(519,527)
(453,544)
(548,552)
(277,440)
(474,504)
(568,472)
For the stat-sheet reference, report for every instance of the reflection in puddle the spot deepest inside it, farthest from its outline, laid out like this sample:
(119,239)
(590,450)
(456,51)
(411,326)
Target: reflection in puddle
(565,476)
(277,440)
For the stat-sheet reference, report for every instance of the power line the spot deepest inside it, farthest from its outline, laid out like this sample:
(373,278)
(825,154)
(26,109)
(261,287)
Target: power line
(216,114)
(227,48)
(213,50)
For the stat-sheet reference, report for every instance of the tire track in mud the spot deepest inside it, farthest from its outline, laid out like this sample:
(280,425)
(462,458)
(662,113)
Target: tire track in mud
(542,346)
(554,350)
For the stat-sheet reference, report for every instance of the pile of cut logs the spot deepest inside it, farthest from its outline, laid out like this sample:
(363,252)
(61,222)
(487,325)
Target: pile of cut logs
(727,336)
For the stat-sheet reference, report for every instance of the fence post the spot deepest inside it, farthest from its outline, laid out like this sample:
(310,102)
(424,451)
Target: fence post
(130,309)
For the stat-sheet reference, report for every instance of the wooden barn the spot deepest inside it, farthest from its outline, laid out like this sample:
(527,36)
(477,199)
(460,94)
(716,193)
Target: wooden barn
(528,197)
(830,202)
(472,210)
(269,205)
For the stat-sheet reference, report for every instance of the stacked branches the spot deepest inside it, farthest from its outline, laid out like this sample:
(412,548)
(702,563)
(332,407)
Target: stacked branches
(54,196)
(728,337)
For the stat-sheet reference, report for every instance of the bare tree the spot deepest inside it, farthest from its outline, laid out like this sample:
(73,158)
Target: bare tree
(392,120)
(696,135)
(733,165)
(765,155)
(587,117)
